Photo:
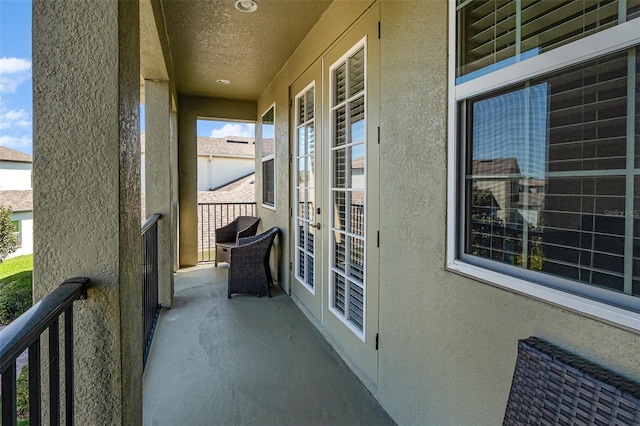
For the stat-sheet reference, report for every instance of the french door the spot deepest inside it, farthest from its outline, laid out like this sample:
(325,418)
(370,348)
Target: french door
(335,187)
(307,194)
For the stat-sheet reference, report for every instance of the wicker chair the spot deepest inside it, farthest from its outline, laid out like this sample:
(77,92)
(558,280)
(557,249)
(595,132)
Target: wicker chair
(249,270)
(552,386)
(228,235)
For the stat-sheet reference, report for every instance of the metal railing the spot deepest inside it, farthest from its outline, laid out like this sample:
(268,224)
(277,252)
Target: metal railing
(24,333)
(150,305)
(217,215)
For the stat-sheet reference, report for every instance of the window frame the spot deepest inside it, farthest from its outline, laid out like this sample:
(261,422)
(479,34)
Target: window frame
(17,225)
(622,36)
(265,159)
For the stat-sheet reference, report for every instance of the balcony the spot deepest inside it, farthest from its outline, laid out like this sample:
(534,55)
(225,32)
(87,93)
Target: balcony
(245,361)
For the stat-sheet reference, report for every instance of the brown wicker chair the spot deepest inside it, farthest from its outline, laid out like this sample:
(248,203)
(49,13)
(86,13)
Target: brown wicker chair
(552,386)
(249,270)
(228,235)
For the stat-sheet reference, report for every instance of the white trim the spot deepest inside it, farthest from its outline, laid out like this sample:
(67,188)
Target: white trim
(560,298)
(607,41)
(593,46)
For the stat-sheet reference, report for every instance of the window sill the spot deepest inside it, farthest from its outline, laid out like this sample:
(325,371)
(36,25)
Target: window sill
(601,311)
(269,207)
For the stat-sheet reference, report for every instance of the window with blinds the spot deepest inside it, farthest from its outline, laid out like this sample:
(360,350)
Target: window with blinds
(550,166)
(348,185)
(496,33)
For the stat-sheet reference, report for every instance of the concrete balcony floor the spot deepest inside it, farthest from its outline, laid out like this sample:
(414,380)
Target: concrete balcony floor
(246,361)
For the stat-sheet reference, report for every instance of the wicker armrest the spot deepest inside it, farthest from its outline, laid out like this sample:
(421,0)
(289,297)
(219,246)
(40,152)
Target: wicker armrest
(250,230)
(553,386)
(227,233)
(248,240)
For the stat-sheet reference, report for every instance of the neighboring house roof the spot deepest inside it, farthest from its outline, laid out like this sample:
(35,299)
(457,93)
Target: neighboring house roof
(229,146)
(241,191)
(496,166)
(8,154)
(18,200)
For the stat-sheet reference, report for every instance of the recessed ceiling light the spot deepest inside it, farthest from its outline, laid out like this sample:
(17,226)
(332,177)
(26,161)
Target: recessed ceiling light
(246,5)
(222,81)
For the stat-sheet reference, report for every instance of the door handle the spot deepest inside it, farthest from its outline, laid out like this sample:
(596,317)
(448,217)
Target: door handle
(317,225)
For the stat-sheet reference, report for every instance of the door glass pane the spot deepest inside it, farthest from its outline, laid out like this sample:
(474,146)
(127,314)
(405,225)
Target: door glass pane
(357,121)
(356,305)
(340,84)
(310,139)
(339,292)
(339,251)
(356,73)
(356,259)
(302,141)
(339,168)
(340,120)
(356,171)
(340,210)
(356,223)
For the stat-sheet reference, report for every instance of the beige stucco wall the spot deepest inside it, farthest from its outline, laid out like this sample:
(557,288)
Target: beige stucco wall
(447,343)
(191,108)
(87,189)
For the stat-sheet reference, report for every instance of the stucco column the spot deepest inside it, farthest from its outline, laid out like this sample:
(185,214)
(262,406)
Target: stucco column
(86,184)
(188,173)
(158,178)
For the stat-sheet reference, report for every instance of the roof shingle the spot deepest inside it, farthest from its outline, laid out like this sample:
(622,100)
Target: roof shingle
(18,200)
(8,154)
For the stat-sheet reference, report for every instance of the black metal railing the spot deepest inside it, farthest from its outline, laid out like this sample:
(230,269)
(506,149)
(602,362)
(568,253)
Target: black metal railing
(150,305)
(24,333)
(217,215)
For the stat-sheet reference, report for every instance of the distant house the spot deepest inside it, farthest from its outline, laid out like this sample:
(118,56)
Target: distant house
(221,161)
(226,170)
(16,192)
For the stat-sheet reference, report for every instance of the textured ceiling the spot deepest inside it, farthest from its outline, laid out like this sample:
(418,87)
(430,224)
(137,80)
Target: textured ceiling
(211,40)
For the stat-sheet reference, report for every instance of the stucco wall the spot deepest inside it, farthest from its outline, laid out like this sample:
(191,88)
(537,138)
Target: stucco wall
(86,88)
(447,343)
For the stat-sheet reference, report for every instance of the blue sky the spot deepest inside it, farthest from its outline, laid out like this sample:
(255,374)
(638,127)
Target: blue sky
(15,75)
(16,110)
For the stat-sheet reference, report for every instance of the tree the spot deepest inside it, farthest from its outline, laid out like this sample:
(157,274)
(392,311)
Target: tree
(8,238)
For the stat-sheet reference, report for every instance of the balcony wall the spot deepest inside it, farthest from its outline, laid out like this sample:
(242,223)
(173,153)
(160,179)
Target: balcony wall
(447,343)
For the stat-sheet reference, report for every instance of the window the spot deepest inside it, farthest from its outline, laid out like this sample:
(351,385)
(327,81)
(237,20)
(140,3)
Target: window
(305,170)
(268,159)
(348,186)
(547,105)
(17,231)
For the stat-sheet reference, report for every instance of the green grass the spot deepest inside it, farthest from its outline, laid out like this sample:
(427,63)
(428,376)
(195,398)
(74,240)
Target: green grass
(15,265)
(16,276)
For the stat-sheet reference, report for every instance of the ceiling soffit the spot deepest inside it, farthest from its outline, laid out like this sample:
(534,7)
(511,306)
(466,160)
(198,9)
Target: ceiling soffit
(211,40)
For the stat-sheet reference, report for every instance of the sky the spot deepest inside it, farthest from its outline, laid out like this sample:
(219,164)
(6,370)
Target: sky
(15,75)
(16,104)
